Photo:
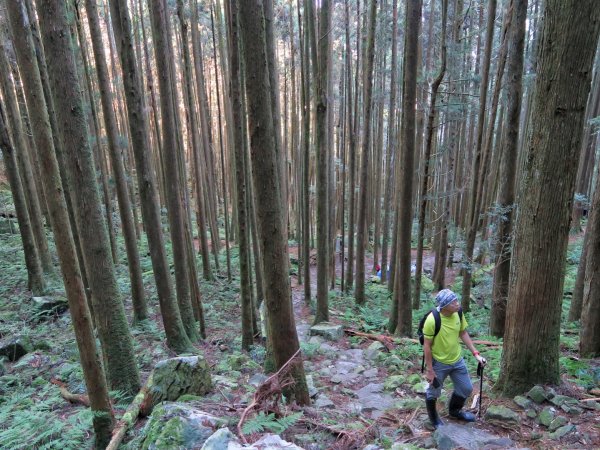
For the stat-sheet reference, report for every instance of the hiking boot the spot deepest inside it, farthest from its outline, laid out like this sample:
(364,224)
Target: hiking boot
(433,414)
(455,406)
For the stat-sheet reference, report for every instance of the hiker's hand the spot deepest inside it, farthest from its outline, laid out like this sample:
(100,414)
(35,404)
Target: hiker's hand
(430,375)
(481,360)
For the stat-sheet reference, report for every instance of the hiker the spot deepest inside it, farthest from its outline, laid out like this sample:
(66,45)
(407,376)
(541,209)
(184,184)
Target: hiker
(443,357)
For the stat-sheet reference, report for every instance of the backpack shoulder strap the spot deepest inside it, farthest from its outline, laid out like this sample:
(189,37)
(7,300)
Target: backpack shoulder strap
(438,321)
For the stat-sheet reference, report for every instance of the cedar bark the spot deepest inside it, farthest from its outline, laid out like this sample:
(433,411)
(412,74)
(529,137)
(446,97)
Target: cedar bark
(531,347)
(282,328)
(59,220)
(402,289)
(140,310)
(361,234)
(163,53)
(140,136)
(117,344)
(506,194)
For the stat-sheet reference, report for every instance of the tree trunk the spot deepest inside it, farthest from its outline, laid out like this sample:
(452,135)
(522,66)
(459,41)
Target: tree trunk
(426,163)
(140,136)
(269,206)
(531,340)
(35,276)
(506,194)
(577,297)
(402,288)
(140,311)
(40,122)
(361,235)
(323,64)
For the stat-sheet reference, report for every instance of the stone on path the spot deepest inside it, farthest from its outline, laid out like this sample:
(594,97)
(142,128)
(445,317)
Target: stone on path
(547,416)
(329,331)
(16,347)
(537,394)
(373,350)
(175,377)
(469,437)
(371,398)
(523,402)
(48,306)
(503,415)
(324,402)
(178,426)
(562,431)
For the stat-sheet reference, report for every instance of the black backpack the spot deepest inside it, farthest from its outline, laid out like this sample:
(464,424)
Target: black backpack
(438,325)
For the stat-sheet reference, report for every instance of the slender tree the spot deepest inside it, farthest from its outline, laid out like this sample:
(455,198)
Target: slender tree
(506,193)
(401,317)
(568,43)
(140,136)
(269,207)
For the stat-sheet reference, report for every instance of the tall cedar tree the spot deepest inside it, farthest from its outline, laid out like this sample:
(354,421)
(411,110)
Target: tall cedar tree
(361,224)
(113,330)
(269,208)
(508,169)
(322,148)
(93,374)
(531,340)
(401,317)
(177,338)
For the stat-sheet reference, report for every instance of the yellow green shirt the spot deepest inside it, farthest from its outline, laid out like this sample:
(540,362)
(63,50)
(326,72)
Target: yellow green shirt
(445,347)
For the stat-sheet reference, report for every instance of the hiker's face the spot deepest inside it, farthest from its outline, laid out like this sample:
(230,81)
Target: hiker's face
(452,307)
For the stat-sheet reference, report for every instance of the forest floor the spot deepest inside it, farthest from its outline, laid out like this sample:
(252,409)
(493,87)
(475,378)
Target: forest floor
(364,395)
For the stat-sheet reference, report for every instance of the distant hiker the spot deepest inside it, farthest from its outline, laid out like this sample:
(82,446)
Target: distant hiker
(443,356)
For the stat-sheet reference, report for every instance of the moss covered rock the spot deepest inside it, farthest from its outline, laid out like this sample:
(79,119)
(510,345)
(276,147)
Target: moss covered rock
(175,426)
(175,377)
(16,347)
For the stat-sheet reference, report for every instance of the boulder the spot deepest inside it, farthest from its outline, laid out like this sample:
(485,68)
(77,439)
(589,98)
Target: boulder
(452,436)
(373,350)
(558,422)
(49,306)
(502,414)
(178,426)
(562,431)
(15,347)
(547,415)
(523,402)
(329,331)
(222,439)
(563,400)
(537,394)
(175,377)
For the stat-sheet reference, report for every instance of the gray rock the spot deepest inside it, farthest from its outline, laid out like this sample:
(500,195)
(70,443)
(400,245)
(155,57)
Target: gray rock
(371,373)
(222,439)
(257,379)
(420,387)
(316,340)
(49,306)
(325,372)
(560,400)
(502,414)
(371,399)
(15,347)
(345,367)
(574,410)
(373,350)
(325,348)
(175,377)
(329,331)
(558,422)
(372,447)
(273,442)
(354,408)
(354,354)
(531,413)
(523,402)
(324,402)
(369,389)
(547,415)
(178,426)
(537,394)
(310,382)
(562,431)
(468,437)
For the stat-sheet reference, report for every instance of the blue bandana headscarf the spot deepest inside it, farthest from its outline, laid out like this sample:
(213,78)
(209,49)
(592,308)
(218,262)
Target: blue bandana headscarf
(444,298)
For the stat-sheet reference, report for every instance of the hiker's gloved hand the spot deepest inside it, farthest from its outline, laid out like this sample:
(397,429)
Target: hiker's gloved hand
(480,359)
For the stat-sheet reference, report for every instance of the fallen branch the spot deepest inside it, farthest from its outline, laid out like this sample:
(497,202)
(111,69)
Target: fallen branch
(137,406)
(272,386)
(595,399)
(385,340)
(71,398)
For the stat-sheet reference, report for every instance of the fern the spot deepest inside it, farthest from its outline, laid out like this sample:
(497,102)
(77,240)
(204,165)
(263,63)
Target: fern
(263,422)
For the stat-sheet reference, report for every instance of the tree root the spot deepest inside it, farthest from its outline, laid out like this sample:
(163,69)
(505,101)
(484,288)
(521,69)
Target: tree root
(270,389)
(71,398)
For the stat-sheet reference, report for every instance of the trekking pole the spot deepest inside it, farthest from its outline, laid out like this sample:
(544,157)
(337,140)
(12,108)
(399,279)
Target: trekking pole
(480,374)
